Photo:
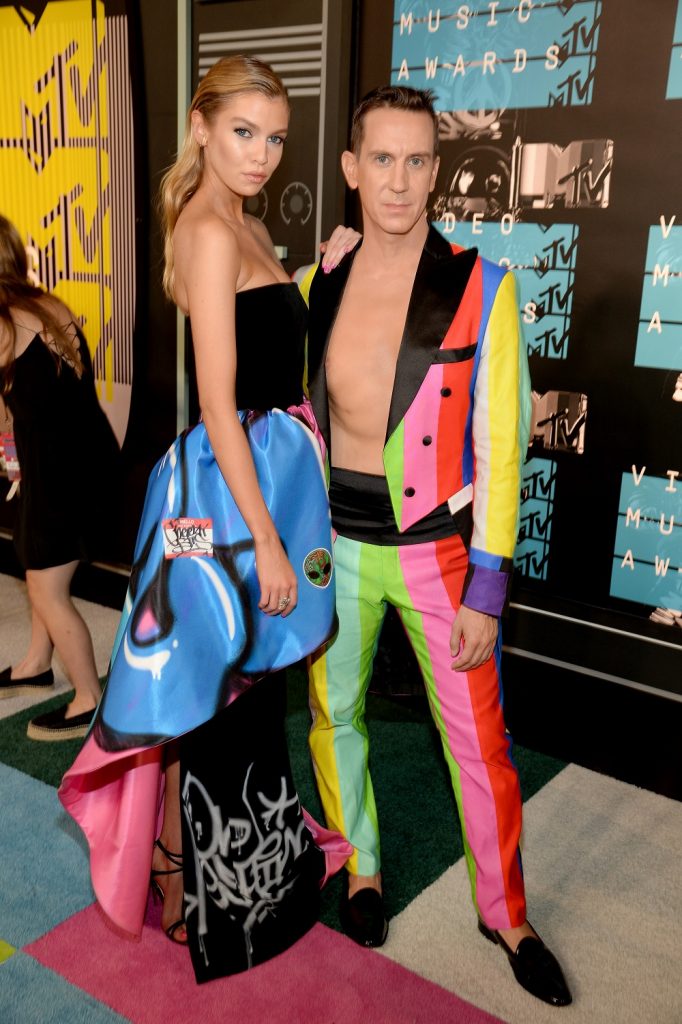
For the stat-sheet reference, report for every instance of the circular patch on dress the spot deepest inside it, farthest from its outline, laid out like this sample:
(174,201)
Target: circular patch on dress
(317,566)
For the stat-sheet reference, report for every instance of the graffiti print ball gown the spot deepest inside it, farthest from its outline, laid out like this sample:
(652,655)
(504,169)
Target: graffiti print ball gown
(194,657)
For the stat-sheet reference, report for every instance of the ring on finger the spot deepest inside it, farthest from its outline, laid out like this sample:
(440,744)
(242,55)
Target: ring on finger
(283,602)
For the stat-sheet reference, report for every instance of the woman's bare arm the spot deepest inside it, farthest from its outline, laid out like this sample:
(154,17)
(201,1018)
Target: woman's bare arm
(6,424)
(208,261)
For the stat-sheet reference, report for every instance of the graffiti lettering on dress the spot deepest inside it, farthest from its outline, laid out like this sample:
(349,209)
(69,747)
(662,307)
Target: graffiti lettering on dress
(243,865)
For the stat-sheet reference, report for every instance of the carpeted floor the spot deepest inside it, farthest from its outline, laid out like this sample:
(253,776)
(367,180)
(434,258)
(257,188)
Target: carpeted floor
(601,859)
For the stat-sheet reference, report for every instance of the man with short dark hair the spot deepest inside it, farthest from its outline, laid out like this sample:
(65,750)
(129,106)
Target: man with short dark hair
(420,387)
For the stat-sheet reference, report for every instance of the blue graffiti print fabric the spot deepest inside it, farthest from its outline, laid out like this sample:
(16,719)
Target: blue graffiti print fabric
(191,627)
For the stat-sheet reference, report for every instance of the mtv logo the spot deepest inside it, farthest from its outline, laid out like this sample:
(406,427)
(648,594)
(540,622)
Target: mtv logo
(550,344)
(558,421)
(578,175)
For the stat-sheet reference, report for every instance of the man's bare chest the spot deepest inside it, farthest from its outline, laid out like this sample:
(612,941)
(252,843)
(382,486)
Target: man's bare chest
(366,336)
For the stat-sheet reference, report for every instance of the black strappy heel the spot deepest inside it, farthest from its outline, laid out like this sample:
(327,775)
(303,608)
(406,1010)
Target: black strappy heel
(174,858)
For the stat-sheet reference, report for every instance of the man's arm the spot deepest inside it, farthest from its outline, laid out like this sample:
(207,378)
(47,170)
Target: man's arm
(501,426)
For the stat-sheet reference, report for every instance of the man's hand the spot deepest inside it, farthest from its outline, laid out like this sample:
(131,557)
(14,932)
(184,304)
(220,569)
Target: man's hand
(477,633)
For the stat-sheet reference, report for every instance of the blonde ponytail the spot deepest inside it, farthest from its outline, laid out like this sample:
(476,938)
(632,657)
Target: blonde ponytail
(178,185)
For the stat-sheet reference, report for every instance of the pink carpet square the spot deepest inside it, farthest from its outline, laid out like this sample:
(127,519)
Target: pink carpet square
(324,979)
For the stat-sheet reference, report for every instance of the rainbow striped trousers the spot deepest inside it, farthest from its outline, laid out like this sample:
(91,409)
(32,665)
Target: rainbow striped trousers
(424,582)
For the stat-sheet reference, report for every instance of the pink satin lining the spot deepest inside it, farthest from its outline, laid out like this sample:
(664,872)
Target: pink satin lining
(117,799)
(304,413)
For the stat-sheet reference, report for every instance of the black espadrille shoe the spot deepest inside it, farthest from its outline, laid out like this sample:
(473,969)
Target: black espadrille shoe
(54,725)
(25,687)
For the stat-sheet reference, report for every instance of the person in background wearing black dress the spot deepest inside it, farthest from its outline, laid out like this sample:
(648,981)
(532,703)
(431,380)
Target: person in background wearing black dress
(67,452)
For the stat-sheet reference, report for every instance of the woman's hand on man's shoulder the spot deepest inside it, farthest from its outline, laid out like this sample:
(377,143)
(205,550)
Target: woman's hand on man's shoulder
(341,241)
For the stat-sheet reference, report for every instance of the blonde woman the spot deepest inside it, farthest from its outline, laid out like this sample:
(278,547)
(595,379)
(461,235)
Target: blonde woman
(232,578)
(68,455)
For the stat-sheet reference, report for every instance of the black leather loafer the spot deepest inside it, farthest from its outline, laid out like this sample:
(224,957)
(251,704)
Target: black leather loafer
(535,968)
(363,918)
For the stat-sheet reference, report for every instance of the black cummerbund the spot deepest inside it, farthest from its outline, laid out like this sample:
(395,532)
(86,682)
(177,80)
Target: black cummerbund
(361,510)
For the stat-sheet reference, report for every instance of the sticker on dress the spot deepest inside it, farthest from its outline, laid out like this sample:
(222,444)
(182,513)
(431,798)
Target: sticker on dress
(317,567)
(184,537)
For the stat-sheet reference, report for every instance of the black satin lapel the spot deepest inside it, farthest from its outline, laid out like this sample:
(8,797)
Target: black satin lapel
(439,285)
(326,292)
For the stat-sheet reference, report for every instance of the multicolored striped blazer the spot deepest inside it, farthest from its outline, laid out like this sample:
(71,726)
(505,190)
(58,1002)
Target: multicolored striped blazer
(459,418)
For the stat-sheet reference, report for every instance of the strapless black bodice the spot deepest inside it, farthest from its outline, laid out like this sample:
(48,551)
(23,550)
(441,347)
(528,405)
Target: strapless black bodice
(271,323)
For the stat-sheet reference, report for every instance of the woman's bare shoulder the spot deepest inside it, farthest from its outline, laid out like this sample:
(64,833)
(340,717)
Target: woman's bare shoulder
(199,227)
(205,248)
(59,310)
(30,321)
(5,343)
(28,324)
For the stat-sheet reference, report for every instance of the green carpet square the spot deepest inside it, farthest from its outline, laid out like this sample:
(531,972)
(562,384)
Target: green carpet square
(46,761)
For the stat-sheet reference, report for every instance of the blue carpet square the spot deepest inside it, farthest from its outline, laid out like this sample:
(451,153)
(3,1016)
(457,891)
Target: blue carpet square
(32,994)
(45,869)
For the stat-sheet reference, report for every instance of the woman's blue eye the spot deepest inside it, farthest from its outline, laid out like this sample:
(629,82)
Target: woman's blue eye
(243,133)
(277,140)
